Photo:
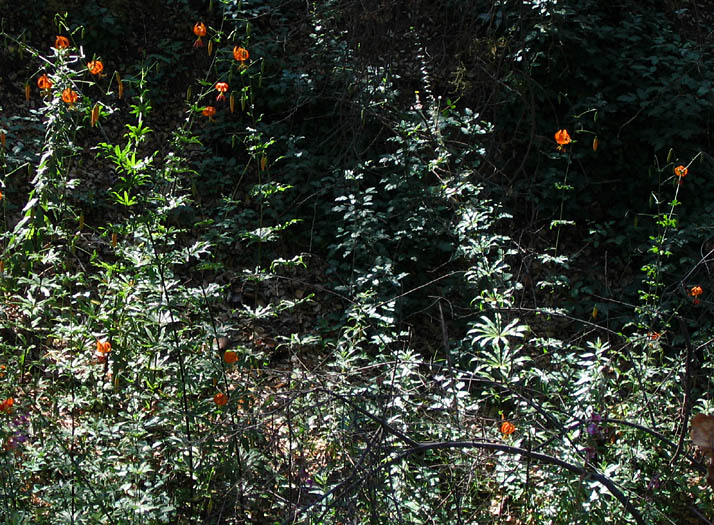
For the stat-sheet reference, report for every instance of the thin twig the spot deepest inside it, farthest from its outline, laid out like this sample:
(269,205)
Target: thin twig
(686,402)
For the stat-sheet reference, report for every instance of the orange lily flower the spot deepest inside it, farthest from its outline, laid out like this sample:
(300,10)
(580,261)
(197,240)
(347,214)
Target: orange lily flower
(61,42)
(230,357)
(199,29)
(221,87)
(104,347)
(562,138)
(69,96)
(95,67)
(6,406)
(44,83)
(220,399)
(240,54)
(681,171)
(208,111)
(507,428)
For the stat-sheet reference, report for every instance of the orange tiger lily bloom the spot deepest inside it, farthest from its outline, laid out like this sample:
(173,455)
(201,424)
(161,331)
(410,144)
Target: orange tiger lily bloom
(69,96)
(562,138)
(507,428)
(220,399)
(199,29)
(230,357)
(681,171)
(6,406)
(104,347)
(221,87)
(208,111)
(61,42)
(44,83)
(240,54)
(95,67)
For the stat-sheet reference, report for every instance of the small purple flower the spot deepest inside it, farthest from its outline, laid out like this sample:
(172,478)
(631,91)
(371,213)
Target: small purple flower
(20,421)
(593,427)
(18,438)
(654,483)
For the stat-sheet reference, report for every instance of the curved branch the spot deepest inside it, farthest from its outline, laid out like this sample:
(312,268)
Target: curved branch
(537,456)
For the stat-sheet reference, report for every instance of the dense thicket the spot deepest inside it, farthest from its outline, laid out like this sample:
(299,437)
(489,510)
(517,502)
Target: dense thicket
(370,284)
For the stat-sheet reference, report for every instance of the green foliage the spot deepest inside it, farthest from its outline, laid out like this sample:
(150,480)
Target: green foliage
(368,288)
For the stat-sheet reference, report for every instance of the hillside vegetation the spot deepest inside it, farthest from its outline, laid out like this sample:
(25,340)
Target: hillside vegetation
(281,262)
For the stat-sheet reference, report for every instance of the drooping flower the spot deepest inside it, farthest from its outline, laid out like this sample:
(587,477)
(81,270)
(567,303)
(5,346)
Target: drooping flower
(120,86)
(103,347)
(230,357)
(695,292)
(95,67)
(94,117)
(199,29)
(6,406)
(44,83)
(240,54)
(681,171)
(562,138)
(220,399)
(222,88)
(208,111)
(61,42)
(654,336)
(507,428)
(69,96)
